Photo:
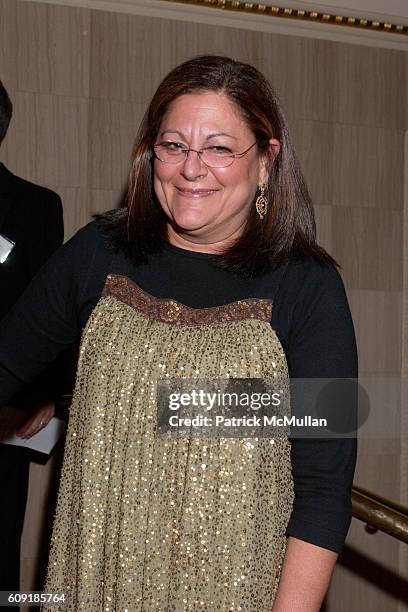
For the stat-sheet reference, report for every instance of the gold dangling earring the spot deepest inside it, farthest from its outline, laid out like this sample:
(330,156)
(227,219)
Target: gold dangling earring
(261,203)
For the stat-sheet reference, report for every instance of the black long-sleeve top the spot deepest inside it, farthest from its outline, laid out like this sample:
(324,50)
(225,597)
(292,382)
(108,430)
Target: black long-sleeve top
(311,318)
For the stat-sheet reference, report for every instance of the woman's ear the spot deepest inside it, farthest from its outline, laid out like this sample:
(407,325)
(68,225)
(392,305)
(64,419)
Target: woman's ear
(268,159)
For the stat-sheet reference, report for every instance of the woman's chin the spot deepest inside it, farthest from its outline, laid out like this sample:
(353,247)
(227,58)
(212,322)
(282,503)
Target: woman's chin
(190,223)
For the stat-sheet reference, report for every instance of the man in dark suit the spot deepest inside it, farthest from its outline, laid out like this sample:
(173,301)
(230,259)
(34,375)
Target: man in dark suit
(31,229)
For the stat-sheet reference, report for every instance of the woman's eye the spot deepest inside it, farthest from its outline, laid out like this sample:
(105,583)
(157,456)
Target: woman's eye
(220,150)
(172,146)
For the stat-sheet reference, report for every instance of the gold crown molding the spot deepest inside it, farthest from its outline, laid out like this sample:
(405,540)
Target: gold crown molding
(296,14)
(257,17)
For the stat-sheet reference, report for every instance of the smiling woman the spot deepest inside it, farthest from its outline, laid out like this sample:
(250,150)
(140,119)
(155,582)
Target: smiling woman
(212,271)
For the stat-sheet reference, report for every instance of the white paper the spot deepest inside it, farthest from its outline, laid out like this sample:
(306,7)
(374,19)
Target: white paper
(43,441)
(6,246)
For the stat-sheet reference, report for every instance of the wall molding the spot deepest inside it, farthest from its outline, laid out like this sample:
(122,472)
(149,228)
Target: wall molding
(259,17)
(327,16)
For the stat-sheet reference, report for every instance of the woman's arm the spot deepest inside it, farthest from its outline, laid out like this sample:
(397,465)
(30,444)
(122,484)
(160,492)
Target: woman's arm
(320,344)
(305,577)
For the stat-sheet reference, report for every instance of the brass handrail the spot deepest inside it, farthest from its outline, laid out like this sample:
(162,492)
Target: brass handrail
(380,513)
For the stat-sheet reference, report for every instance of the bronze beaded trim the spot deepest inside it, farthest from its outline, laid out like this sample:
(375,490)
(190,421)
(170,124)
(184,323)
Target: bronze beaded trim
(175,313)
(297,14)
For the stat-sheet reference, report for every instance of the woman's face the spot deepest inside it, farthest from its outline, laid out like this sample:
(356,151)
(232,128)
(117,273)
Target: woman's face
(207,207)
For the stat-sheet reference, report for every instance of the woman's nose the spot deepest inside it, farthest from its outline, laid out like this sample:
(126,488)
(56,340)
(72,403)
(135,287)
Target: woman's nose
(193,167)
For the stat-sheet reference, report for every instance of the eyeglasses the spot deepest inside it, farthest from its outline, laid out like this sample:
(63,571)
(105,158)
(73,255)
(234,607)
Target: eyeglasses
(213,157)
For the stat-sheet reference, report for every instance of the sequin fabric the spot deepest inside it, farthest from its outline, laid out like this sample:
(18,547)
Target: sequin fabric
(148,523)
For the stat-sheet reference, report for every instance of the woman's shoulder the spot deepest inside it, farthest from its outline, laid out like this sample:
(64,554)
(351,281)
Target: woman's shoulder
(310,290)
(313,320)
(97,234)
(309,274)
(87,254)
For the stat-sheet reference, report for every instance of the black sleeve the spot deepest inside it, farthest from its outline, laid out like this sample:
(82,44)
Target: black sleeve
(49,315)
(320,343)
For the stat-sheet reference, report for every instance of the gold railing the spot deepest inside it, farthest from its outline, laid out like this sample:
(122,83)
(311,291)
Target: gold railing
(380,514)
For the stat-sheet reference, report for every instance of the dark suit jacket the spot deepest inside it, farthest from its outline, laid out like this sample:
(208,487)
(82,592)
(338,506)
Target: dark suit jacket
(31,216)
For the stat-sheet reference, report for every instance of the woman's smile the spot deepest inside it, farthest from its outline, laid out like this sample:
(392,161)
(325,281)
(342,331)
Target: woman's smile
(195,194)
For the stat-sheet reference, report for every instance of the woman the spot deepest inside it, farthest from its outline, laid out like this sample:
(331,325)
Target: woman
(211,272)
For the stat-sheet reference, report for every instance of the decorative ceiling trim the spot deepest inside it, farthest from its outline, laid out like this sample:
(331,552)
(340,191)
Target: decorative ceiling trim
(292,13)
(258,17)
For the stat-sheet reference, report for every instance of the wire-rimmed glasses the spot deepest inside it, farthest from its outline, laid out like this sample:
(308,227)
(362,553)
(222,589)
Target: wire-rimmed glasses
(215,156)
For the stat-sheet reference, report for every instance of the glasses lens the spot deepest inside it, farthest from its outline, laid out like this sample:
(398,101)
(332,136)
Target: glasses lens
(217,157)
(173,153)
(169,152)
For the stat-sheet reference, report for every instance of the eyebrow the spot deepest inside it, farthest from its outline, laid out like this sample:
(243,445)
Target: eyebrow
(208,137)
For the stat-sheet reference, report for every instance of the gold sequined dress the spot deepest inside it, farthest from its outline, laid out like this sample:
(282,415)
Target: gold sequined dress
(149,523)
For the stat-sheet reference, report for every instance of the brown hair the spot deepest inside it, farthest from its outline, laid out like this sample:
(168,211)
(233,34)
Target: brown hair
(289,226)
